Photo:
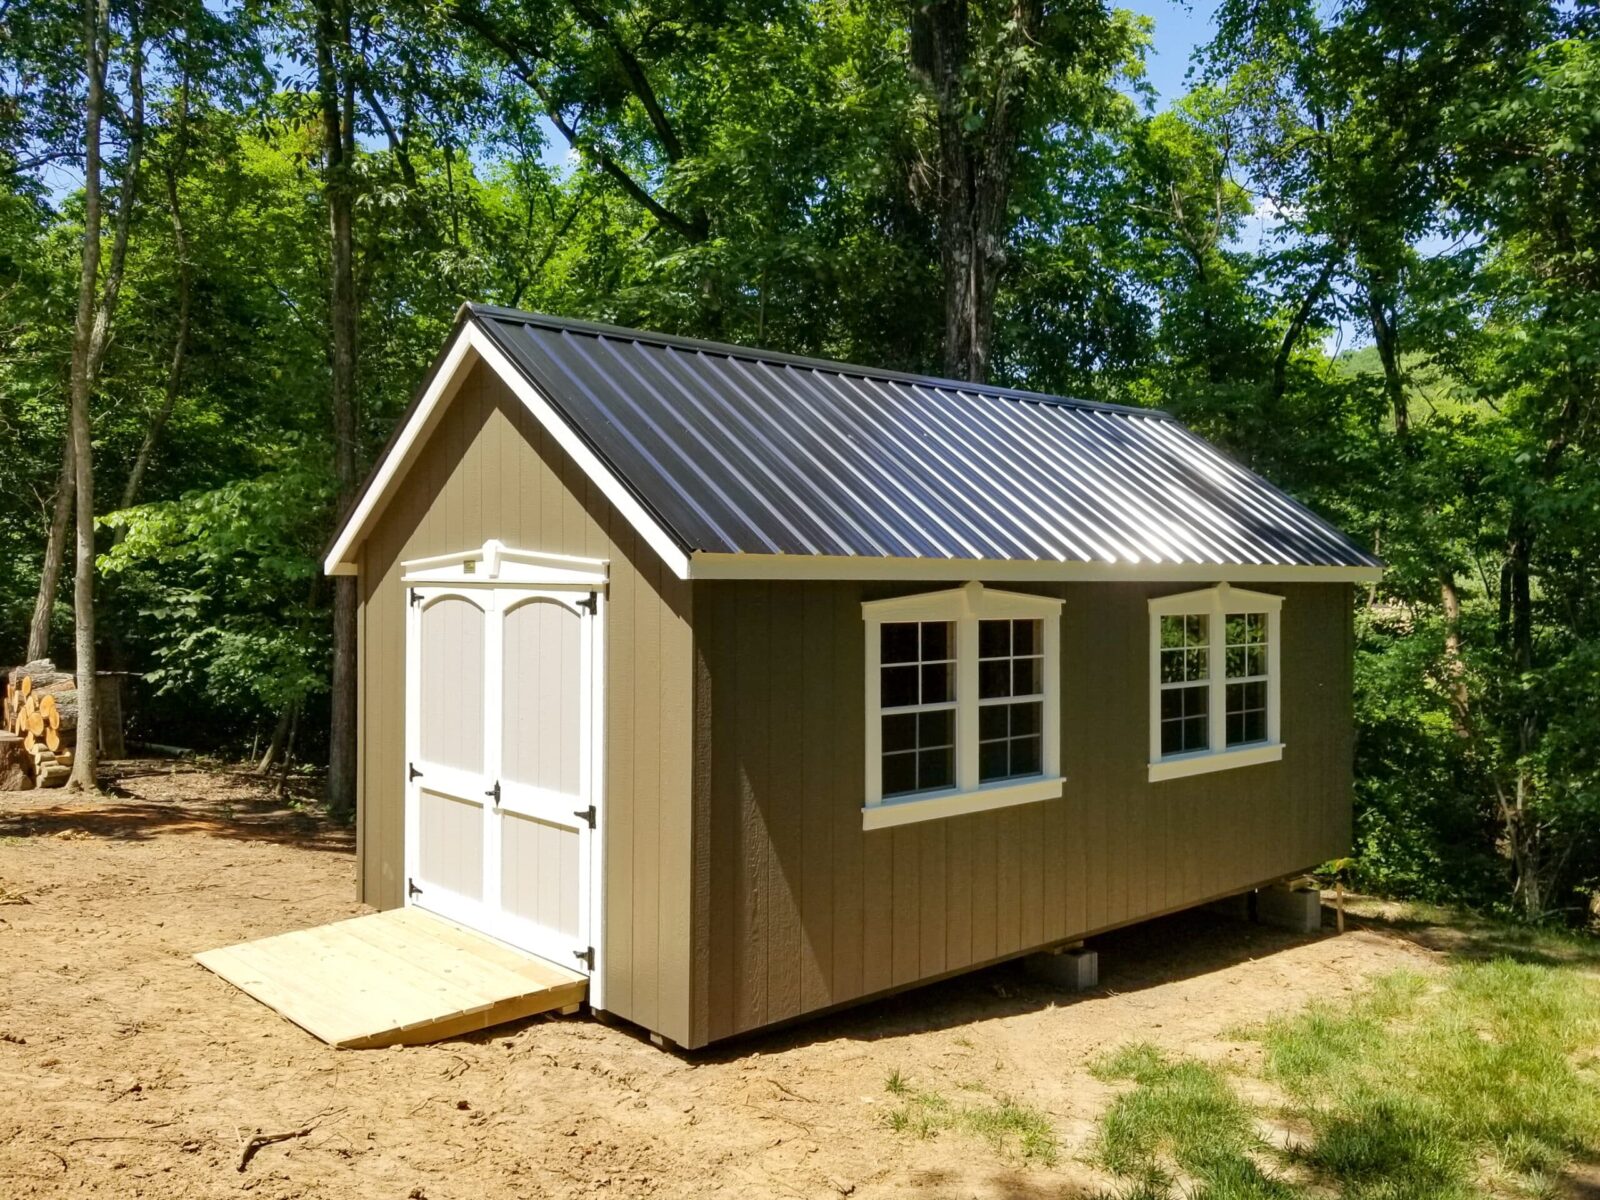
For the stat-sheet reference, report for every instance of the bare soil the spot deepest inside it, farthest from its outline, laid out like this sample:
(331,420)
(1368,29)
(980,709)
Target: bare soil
(127,1070)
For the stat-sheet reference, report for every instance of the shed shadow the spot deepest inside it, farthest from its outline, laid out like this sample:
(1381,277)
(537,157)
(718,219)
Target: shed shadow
(1163,950)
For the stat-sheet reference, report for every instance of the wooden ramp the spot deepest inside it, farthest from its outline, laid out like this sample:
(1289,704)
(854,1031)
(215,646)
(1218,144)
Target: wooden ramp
(401,977)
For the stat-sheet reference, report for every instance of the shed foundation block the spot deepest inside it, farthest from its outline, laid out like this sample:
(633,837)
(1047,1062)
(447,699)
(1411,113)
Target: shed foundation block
(1297,908)
(1075,969)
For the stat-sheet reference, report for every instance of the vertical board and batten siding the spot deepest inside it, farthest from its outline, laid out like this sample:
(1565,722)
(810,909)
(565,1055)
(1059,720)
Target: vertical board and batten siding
(489,470)
(802,910)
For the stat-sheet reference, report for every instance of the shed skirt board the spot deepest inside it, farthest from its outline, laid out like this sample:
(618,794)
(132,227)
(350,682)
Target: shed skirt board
(398,978)
(500,770)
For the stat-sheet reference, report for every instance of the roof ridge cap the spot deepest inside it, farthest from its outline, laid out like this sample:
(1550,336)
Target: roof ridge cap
(808,362)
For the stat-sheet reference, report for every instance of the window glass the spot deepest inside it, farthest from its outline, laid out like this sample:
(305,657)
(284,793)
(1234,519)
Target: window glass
(1246,708)
(1011,695)
(1247,645)
(1185,683)
(917,690)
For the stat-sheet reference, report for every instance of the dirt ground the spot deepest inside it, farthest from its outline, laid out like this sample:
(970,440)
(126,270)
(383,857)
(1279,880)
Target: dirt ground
(127,1070)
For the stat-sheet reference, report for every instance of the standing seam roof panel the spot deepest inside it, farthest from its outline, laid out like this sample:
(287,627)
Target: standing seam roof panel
(737,451)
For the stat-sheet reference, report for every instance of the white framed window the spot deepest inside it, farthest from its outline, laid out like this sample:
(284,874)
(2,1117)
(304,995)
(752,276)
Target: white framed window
(963,703)
(1213,681)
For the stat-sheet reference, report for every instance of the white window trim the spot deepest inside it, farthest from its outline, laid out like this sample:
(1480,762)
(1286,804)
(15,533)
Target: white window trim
(965,607)
(1217,603)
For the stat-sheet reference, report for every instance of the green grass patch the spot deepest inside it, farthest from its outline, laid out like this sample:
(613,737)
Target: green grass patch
(1181,1118)
(1480,1079)
(1009,1126)
(1412,1089)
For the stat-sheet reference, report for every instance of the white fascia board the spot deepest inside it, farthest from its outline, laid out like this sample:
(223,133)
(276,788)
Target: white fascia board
(705,565)
(472,345)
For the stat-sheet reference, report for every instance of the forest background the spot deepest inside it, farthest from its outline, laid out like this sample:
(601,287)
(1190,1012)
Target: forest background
(1359,247)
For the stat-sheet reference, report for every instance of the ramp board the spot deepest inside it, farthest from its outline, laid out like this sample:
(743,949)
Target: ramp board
(402,977)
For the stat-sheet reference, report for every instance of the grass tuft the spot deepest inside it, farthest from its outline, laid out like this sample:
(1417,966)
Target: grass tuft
(1180,1118)
(1006,1124)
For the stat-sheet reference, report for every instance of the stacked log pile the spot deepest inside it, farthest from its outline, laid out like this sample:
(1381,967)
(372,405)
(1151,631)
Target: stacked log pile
(40,722)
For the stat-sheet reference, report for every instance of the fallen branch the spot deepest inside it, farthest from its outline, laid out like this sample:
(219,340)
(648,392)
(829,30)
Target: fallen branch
(259,1139)
(788,1091)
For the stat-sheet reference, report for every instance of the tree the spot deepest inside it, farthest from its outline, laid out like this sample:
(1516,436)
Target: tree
(336,95)
(999,77)
(97,305)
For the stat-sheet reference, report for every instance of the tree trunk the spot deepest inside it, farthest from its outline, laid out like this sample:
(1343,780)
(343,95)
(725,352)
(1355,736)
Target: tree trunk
(55,553)
(96,18)
(1386,333)
(280,736)
(180,341)
(1455,669)
(975,168)
(91,336)
(338,100)
(1297,326)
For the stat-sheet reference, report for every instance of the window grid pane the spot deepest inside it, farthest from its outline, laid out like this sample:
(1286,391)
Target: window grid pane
(1185,719)
(1010,740)
(918,664)
(1011,699)
(1247,646)
(1247,712)
(1185,648)
(1185,681)
(917,695)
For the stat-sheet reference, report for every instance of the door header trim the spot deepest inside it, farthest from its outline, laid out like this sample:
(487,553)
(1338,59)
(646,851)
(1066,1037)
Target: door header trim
(496,564)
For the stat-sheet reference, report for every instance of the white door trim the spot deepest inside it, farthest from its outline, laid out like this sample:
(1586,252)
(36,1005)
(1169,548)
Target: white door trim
(496,597)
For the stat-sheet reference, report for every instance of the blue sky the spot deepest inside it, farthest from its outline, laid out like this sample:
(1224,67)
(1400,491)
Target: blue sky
(1180,28)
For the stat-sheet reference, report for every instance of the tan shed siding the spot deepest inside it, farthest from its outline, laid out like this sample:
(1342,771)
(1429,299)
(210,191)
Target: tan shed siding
(489,470)
(804,910)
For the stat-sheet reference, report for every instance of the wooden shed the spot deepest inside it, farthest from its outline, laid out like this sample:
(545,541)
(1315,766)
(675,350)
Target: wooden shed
(750,685)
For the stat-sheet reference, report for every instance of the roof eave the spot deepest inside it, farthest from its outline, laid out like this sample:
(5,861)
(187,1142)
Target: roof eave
(708,566)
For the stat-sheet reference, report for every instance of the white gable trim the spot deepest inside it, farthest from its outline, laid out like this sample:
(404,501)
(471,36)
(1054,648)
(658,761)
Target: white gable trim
(470,346)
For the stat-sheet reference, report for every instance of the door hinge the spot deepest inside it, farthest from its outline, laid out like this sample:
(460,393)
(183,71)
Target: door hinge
(412,889)
(590,603)
(585,814)
(585,956)
(495,792)
(412,772)
(414,596)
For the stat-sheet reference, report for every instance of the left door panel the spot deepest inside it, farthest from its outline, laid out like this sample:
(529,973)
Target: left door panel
(448,773)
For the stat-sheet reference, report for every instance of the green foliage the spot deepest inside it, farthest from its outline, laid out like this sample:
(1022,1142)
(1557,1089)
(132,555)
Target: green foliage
(208,582)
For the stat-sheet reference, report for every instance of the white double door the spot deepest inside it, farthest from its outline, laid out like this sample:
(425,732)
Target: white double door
(500,721)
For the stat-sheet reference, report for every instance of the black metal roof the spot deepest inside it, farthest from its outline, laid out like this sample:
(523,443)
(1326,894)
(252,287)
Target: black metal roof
(740,451)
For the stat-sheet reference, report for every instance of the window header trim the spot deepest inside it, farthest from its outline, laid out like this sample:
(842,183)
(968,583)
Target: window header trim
(1221,598)
(969,600)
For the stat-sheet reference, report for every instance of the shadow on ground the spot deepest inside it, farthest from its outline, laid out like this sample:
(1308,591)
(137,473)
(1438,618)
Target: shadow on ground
(144,800)
(1476,939)
(1152,953)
